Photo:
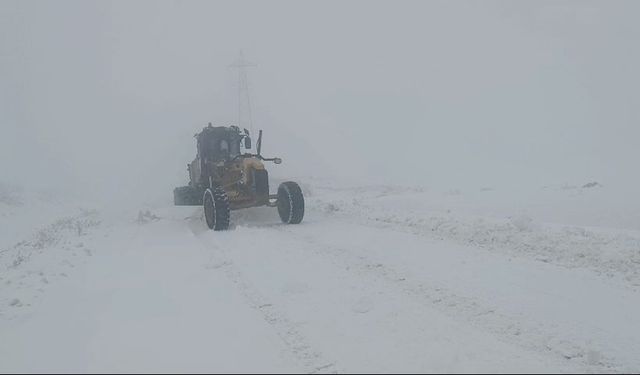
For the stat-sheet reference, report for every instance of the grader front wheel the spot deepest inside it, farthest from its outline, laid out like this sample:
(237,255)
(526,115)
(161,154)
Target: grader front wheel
(290,203)
(216,208)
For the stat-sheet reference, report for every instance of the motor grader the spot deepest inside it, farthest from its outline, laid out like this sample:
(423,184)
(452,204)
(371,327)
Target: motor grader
(222,179)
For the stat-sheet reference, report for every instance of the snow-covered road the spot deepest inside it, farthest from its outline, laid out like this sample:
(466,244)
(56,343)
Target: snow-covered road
(367,283)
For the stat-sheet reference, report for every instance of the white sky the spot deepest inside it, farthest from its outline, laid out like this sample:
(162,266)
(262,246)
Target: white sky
(439,93)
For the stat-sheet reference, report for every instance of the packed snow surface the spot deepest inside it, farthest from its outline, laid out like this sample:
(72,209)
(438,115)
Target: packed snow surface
(375,279)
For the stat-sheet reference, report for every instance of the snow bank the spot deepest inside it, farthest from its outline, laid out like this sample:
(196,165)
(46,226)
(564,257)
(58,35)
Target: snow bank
(499,227)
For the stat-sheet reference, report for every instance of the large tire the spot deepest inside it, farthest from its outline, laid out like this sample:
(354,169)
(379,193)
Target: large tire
(290,203)
(187,196)
(216,208)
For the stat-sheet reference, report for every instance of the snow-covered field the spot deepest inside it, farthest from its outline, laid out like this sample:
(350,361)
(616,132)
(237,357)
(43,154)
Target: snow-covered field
(375,279)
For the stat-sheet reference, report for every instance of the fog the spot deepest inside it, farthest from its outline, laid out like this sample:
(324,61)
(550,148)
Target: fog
(458,192)
(106,96)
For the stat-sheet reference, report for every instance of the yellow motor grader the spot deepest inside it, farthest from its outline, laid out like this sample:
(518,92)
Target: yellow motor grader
(222,178)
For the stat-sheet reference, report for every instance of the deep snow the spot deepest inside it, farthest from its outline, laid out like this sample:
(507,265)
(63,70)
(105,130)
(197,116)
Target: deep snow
(375,279)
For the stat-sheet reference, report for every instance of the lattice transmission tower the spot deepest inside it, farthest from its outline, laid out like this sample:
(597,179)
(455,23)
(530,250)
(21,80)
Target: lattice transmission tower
(245,119)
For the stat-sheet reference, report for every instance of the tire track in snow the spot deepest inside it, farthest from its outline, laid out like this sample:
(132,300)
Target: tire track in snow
(525,334)
(298,345)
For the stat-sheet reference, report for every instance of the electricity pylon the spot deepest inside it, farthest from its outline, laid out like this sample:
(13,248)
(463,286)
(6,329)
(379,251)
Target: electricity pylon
(245,119)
